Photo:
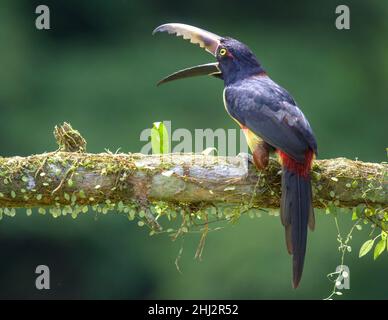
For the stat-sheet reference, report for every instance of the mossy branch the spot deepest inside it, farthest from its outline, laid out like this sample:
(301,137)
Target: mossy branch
(46,179)
(63,179)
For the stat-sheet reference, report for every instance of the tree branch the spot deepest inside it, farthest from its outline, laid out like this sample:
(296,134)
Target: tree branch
(67,179)
(45,179)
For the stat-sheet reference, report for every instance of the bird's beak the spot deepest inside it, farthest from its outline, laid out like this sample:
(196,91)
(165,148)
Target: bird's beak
(205,39)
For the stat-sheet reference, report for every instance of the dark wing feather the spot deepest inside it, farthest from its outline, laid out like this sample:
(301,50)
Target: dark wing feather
(271,113)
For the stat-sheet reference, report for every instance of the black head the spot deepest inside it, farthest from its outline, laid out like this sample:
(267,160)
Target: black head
(235,61)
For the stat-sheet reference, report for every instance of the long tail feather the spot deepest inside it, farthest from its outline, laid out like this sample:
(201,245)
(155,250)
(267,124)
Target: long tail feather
(296,215)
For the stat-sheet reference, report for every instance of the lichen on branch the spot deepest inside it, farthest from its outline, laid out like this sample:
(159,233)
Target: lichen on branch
(64,182)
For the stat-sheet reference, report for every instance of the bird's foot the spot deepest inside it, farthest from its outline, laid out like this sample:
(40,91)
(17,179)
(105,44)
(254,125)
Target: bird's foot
(245,161)
(259,164)
(248,159)
(247,156)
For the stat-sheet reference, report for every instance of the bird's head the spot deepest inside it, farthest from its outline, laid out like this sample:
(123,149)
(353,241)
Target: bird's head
(235,60)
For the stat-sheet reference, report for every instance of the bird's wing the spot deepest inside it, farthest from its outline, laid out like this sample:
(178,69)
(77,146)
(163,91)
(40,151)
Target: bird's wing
(271,113)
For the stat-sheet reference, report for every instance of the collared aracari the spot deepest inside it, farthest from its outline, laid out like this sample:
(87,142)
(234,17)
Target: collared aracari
(271,121)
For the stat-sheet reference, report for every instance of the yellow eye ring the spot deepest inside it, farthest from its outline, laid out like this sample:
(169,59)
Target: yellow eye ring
(223,52)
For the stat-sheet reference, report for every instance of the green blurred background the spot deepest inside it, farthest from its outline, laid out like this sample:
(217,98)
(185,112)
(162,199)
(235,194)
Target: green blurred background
(97,68)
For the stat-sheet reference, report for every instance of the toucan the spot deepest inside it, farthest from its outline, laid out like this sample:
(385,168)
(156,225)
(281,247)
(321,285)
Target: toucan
(271,121)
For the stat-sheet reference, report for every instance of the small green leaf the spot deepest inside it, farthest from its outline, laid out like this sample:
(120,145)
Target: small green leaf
(131,215)
(366,247)
(380,247)
(159,138)
(184,229)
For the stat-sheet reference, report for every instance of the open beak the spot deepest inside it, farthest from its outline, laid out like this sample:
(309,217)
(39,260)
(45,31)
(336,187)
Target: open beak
(205,39)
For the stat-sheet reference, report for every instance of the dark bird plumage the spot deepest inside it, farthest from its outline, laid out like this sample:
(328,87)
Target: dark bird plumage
(271,120)
(268,110)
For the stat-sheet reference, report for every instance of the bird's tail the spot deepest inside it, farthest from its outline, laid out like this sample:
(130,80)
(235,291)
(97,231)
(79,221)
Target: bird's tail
(296,208)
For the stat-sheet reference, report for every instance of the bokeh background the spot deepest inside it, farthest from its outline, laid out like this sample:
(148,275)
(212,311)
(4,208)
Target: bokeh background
(97,68)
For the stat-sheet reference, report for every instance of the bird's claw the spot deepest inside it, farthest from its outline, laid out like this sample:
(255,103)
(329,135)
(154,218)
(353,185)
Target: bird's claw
(246,156)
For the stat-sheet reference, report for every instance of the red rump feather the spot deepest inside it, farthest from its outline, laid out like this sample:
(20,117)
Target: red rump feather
(302,169)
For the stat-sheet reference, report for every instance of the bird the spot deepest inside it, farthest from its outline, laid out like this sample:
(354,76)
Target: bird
(271,121)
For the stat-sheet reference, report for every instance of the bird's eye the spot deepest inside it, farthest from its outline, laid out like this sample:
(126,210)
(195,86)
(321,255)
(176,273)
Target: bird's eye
(223,52)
